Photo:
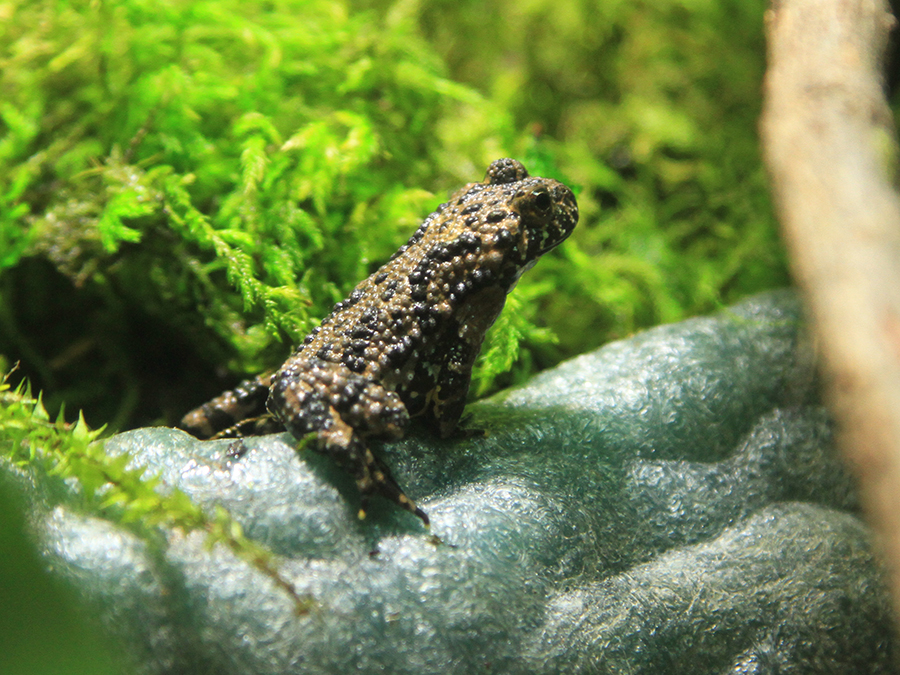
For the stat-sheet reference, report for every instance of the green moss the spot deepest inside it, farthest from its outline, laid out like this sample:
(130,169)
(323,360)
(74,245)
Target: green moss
(68,464)
(185,190)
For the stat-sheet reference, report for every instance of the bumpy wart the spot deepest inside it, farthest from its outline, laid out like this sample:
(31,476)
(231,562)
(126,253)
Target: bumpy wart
(404,342)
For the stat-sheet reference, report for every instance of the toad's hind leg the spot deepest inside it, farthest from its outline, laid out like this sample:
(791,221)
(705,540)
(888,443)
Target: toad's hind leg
(372,476)
(343,410)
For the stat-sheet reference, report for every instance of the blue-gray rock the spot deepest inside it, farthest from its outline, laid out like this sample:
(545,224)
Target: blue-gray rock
(671,503)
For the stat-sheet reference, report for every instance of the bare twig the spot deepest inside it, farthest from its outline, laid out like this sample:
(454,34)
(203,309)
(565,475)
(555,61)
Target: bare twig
(830,148)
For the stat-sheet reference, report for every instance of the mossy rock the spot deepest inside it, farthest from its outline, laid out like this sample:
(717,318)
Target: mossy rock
(669,503)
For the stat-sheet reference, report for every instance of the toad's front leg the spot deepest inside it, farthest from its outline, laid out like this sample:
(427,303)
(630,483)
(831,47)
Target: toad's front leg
(343,409)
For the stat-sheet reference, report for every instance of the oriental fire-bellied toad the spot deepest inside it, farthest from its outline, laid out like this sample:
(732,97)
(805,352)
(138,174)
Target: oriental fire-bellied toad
(404,342)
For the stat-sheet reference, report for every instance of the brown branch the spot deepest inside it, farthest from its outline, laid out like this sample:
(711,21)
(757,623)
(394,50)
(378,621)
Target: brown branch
(829,144)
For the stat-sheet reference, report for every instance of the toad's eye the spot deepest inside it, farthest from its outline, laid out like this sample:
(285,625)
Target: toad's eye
(542,200)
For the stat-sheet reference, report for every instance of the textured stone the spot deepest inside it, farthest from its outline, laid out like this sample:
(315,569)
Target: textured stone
(671,503)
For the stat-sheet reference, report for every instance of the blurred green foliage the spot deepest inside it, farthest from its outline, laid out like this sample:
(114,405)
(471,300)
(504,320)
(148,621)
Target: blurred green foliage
(651,108)
(186,188)
(42,629)
(42,632)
